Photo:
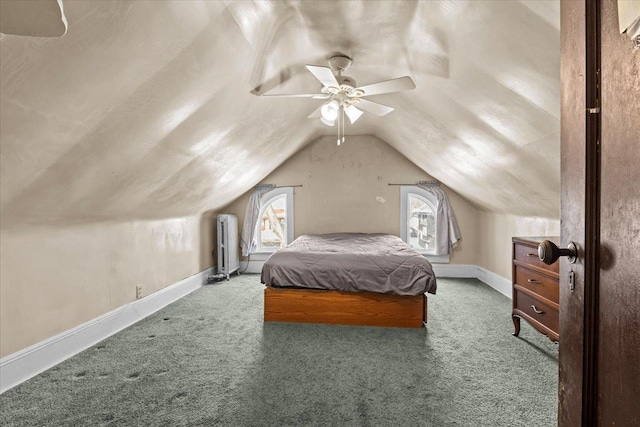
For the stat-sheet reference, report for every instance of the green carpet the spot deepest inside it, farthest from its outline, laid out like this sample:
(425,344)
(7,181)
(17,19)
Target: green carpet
(208,359)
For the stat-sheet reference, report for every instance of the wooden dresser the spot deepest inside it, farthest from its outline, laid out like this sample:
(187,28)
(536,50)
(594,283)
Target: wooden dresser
(535,288)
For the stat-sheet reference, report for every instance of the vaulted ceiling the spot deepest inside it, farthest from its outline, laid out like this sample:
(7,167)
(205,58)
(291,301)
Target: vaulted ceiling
(151,109)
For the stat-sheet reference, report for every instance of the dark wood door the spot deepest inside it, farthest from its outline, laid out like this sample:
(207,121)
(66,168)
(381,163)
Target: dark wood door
(618,356)
(599,360)
(573,172)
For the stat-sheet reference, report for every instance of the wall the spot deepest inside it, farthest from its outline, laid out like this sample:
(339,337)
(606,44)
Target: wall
(496,231)
(53,279)
(341,186)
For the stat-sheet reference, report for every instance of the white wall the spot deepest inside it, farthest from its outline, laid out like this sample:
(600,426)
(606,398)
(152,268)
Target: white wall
(496,231)
(341,184)
(55,278)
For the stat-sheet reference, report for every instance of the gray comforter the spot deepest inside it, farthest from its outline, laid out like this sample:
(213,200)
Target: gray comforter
(350,262)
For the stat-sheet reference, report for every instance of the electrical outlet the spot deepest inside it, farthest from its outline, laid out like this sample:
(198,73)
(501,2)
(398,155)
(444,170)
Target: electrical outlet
(138,291)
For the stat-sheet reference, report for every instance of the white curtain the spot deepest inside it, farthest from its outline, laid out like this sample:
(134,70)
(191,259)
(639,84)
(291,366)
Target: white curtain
(447,230)
(247,240)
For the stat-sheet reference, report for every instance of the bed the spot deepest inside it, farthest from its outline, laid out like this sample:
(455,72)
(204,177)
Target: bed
(348,279)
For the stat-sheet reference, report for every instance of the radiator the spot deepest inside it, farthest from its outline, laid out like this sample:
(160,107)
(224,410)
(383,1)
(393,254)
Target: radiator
(228,256)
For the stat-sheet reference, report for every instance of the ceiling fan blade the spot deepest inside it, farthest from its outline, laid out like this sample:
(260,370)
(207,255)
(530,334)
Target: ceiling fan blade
(41,18)
(374,107)
(316,113)
(295,95)
(393,85)
(353,113)
(324,74)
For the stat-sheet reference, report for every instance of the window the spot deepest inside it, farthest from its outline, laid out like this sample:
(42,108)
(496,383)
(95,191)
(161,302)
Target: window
(418,210)
(275,223)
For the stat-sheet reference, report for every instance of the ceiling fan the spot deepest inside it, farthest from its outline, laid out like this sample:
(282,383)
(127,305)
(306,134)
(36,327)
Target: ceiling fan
(344,96)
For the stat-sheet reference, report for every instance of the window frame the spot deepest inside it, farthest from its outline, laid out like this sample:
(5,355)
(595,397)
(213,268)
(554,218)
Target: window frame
(265,200)
(407,191)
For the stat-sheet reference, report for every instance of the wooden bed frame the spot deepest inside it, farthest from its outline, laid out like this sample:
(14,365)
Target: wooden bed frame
(344,308)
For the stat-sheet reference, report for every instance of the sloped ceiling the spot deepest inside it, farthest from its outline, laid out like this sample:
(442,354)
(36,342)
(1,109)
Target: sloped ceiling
(151,109)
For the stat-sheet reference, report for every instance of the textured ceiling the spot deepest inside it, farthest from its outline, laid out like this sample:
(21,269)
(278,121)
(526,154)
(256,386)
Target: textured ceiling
(150,109)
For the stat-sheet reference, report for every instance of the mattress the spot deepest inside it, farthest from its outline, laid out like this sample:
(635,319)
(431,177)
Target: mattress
(354,262)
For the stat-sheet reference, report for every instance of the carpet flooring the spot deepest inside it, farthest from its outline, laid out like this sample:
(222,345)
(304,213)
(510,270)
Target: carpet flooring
(208,359)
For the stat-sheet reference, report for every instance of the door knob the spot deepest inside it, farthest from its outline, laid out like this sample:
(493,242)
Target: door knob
(549,252)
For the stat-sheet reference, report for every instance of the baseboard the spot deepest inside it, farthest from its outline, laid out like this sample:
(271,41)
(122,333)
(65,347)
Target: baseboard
(467,271)
(471,271)
(24,364)
(20,366)
(497,282)
(252,267)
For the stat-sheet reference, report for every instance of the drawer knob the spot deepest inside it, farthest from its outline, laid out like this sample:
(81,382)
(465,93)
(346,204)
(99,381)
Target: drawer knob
(536,310)
(549,252)
(533,281)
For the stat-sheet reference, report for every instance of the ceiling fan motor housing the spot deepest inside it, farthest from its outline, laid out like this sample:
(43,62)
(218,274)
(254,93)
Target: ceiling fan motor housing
(340,63)
(346,80)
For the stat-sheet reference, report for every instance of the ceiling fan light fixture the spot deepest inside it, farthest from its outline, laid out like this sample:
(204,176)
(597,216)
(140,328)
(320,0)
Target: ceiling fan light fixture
(330,111)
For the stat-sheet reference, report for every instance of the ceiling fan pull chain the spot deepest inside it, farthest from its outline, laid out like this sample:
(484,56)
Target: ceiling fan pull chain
(343,124)
(338,128)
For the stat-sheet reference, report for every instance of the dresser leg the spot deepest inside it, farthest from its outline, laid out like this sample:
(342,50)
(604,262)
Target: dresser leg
(516,323)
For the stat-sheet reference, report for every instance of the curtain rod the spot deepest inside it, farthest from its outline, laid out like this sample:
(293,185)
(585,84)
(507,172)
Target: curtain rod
(415,183)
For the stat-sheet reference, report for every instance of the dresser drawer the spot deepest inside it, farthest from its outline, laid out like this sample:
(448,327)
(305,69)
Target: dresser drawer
(537,311)
(542,285)
(529,255)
